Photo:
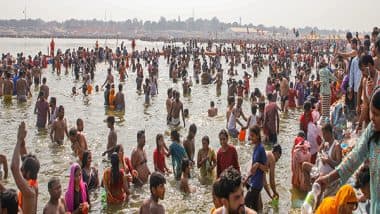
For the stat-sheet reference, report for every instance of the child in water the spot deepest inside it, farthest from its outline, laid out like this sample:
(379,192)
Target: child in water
(184,185)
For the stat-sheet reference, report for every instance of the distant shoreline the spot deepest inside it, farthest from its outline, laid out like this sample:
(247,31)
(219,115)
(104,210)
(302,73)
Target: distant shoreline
(153,39)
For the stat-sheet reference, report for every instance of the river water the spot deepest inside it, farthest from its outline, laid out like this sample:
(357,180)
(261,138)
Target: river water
(55,160)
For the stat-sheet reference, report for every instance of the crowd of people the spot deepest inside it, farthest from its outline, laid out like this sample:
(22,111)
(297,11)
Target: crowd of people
(335,82)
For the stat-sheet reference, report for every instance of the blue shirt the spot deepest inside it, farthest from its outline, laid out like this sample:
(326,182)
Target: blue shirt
(259,156)
(15,78)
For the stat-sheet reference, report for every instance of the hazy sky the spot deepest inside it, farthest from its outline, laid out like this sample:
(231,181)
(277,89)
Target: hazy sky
(338,14)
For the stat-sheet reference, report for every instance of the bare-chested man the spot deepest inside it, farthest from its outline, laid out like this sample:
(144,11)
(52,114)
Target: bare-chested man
(22,88)
(218,82)
(212,111)
(8,88)
(150,205)
(168,103)
(139,160)
(112,136)
(272,158)
(109,78)
(36,72)
(59,127)
(119,99)
(26,177)
(78,143)
(175,110)
(56,204)
(44,88)
(189,144)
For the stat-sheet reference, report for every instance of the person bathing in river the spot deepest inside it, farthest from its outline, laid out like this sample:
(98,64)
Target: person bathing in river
(59,127)
(175,110)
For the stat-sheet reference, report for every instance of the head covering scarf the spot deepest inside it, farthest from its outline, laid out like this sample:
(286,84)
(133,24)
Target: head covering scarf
(69,196)
(330,205)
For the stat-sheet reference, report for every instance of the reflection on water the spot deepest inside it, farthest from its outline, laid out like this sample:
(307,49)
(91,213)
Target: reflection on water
(55,160)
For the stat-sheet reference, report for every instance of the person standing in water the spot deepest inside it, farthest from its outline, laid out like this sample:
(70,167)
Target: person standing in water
(59,127)
(272,158)
(56,204)
(150,205)
(189,142)
(26,176)
(42,111)
(119,99)
(112,136)
(175,110)
(8,89)
(139,160)
(178,153)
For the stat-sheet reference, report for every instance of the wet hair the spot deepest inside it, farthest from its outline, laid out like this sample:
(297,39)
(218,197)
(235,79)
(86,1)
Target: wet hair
(327,127)
(186,112)
(52,181)
(349,35)
(140,134)
(86,154)
(307,106)
(256,130)
(365,60)
(44,80)
(301,134)
(362,177)
(270,96)
(9,200)
(223,132)
(156,179)
(61,108)
(277,148)
(53,100)
(115,171)
(73,132)
(79,120)
(193,128)
(185,164)
(206,138)
(41,94)
(212,104)
(257,92)
(174,135)
(216,189)
(354,41)
(111,119)
(31,165)
(229,182)
(158,137)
